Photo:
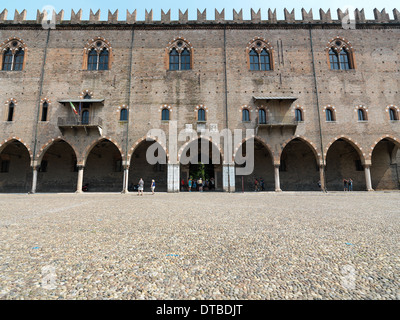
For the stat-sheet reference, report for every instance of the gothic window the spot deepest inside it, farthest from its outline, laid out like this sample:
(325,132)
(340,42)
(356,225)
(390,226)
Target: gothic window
(165,115)
(45,109)
(180,55)
(12,55)
(262,117)
(245,115)
(341,54)
(260,55)
(123,115)
(97,55)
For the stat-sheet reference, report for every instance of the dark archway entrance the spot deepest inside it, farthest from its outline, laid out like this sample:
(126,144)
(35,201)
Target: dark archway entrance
(299,170)
(344,162)
(58,171)
(263,169)
(15,171)
(141,168)
(103,169)
(207,165)
(385,169)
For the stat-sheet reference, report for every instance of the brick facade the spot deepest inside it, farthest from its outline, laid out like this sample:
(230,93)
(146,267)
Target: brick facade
(219,81)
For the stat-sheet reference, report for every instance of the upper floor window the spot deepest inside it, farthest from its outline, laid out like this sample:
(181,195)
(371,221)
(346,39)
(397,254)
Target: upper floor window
(262,116)
(341,54)
(123,115)
(329,115)
(201,115)
(13,55)
(362,115)
(298,115)
(45,109)
(245,115)
(97,55)
(180,54)
(260,55)
(393,114)
(10,115)
(165,115)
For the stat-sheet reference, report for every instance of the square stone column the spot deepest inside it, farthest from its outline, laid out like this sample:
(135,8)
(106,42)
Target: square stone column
(228,177)
(173,177)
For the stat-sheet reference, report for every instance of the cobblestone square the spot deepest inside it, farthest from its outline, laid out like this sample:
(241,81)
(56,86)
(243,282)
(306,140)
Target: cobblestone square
(200,246)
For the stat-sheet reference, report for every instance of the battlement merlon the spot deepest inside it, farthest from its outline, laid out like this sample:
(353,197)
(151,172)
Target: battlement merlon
(255,17)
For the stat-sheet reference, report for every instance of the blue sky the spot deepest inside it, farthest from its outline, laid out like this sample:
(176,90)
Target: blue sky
(175,5)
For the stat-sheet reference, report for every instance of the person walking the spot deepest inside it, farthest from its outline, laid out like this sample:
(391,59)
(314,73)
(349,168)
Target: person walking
(194,184)
(153,186)
(200,183)
(350,184)
(262,184)
(190,185)
(255,184)
(141,186)
(345,185)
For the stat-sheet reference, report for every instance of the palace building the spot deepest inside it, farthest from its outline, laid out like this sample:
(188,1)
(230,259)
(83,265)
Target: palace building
(79,98)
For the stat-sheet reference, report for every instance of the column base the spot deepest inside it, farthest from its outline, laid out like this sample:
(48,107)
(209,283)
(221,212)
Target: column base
(78,192)
(370,190)
(278,190)
(125,192)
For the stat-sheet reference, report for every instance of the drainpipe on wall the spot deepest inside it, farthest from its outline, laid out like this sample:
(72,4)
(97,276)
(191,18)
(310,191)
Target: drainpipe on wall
(34,164)
(226,109)
(127,165)
(323,175)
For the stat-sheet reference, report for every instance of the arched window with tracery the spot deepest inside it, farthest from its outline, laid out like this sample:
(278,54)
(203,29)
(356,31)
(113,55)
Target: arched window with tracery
(260,55)
(180,55)
(341,54)
(12,55)
(97,55)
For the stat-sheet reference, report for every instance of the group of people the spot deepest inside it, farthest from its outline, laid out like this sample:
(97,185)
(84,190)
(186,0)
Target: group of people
(197,184)
(140,187)
(259,185)
(348,184)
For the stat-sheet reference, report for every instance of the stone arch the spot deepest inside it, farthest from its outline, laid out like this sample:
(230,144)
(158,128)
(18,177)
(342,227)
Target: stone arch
(85,154)
(262,141)
(42,151)
(353,143)
(186,144)
(385,163)
(314,148)
(140,141)
(300,163)
(6,142)
(392,138)
(345,159)
(16,161)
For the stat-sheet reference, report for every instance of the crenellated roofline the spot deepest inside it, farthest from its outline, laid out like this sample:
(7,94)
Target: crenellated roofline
(325,18)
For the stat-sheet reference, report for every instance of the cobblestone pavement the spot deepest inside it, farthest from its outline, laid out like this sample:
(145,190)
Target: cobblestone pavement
(200,246)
